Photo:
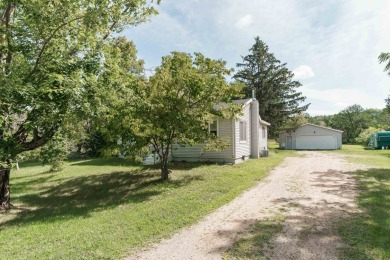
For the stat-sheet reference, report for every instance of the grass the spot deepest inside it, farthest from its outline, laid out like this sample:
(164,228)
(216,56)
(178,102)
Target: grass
(368,234)
(107,208)
(256,239)
(358,150)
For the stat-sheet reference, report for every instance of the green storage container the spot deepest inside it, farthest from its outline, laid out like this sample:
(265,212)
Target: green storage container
(379,140)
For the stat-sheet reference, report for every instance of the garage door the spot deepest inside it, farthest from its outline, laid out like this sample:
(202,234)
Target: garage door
(316,142)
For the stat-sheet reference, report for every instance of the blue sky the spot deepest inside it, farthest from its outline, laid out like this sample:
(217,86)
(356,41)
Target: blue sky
(332,46)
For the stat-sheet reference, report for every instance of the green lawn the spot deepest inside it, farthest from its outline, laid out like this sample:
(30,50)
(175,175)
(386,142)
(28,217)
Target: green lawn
(368,234)
(105,208)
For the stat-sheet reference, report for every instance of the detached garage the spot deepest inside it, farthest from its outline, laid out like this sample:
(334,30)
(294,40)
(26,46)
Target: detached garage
(311,137)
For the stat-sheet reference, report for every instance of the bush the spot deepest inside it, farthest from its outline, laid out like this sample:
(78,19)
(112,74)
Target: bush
(364,136)
(55,152)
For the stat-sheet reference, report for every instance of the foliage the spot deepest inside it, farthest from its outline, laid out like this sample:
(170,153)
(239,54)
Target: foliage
(185,94)
(385,57)
(115,103)
(55,152)
(387,100)
(378,118)
(92,143)
(51,58)
(131,210)
(320,120)
(275,88)
(351,121)
(295,121)
(364,136)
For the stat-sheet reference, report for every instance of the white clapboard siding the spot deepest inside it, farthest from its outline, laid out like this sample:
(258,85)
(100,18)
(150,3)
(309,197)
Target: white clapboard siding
(151,159)
(243,147)
(263,137)
(196,153)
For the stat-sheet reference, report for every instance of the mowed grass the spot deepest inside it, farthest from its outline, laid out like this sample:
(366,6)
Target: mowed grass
(368,234)
(107,208)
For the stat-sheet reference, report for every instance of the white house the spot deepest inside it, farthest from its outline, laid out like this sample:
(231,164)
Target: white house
(311,137)
(246,135)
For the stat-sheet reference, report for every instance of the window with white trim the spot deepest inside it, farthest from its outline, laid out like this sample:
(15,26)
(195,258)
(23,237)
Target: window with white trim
(213,128)
(264,132)
(243,136)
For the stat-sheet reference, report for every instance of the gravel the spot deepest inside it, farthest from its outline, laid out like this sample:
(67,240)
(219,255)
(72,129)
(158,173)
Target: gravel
(313,192)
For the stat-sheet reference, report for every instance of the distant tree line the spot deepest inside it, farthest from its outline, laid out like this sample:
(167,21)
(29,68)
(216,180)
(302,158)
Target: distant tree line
(356,122)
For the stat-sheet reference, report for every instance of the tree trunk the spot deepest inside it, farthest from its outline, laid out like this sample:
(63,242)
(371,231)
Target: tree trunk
(5,198)
(164,169)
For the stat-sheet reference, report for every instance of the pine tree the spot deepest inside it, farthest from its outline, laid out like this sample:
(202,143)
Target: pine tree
(274,86)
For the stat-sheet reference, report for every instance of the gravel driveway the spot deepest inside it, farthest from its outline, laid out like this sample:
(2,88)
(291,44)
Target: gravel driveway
(313,192)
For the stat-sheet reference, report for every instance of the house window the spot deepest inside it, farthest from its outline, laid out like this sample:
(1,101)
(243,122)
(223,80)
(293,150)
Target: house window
(213,128)
(243,131)
(264,133)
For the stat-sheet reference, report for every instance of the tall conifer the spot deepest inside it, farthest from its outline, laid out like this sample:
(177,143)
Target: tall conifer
(275,88)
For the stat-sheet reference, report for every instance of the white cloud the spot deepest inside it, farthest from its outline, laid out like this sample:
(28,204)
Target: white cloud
(244,21)
(340,42)
(332,101)
(303,72)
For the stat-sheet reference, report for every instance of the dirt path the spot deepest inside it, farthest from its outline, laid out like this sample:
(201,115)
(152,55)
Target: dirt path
(313,192)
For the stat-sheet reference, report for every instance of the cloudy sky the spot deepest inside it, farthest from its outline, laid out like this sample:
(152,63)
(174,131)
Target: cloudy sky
(331,46)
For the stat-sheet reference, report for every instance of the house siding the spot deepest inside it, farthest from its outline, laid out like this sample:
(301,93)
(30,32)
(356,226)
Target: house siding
(196,152)
(243,148)
(263,144)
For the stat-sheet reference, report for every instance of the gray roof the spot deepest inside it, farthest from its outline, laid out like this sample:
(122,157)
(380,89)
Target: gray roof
(242,101)
(328,128)
(239,101)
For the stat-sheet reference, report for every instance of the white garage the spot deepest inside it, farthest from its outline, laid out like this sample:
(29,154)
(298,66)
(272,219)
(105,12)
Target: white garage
(311,137)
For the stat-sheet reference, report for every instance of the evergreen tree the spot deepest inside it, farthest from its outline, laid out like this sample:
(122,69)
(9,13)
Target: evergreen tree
(274,85)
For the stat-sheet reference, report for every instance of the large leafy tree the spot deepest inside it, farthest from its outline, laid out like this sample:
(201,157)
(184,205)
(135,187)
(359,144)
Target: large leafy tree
(120,82)
(275,88)
(352,121)
(185,94)
(50,54)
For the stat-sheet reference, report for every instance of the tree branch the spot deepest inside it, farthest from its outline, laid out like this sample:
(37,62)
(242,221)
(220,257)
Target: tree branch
(114,24)
(5,20)
(46,42)
(38,141)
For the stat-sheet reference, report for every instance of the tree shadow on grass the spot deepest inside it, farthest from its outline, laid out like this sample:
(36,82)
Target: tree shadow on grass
(103,162)
(173,165)
(79,196)
(367,233)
